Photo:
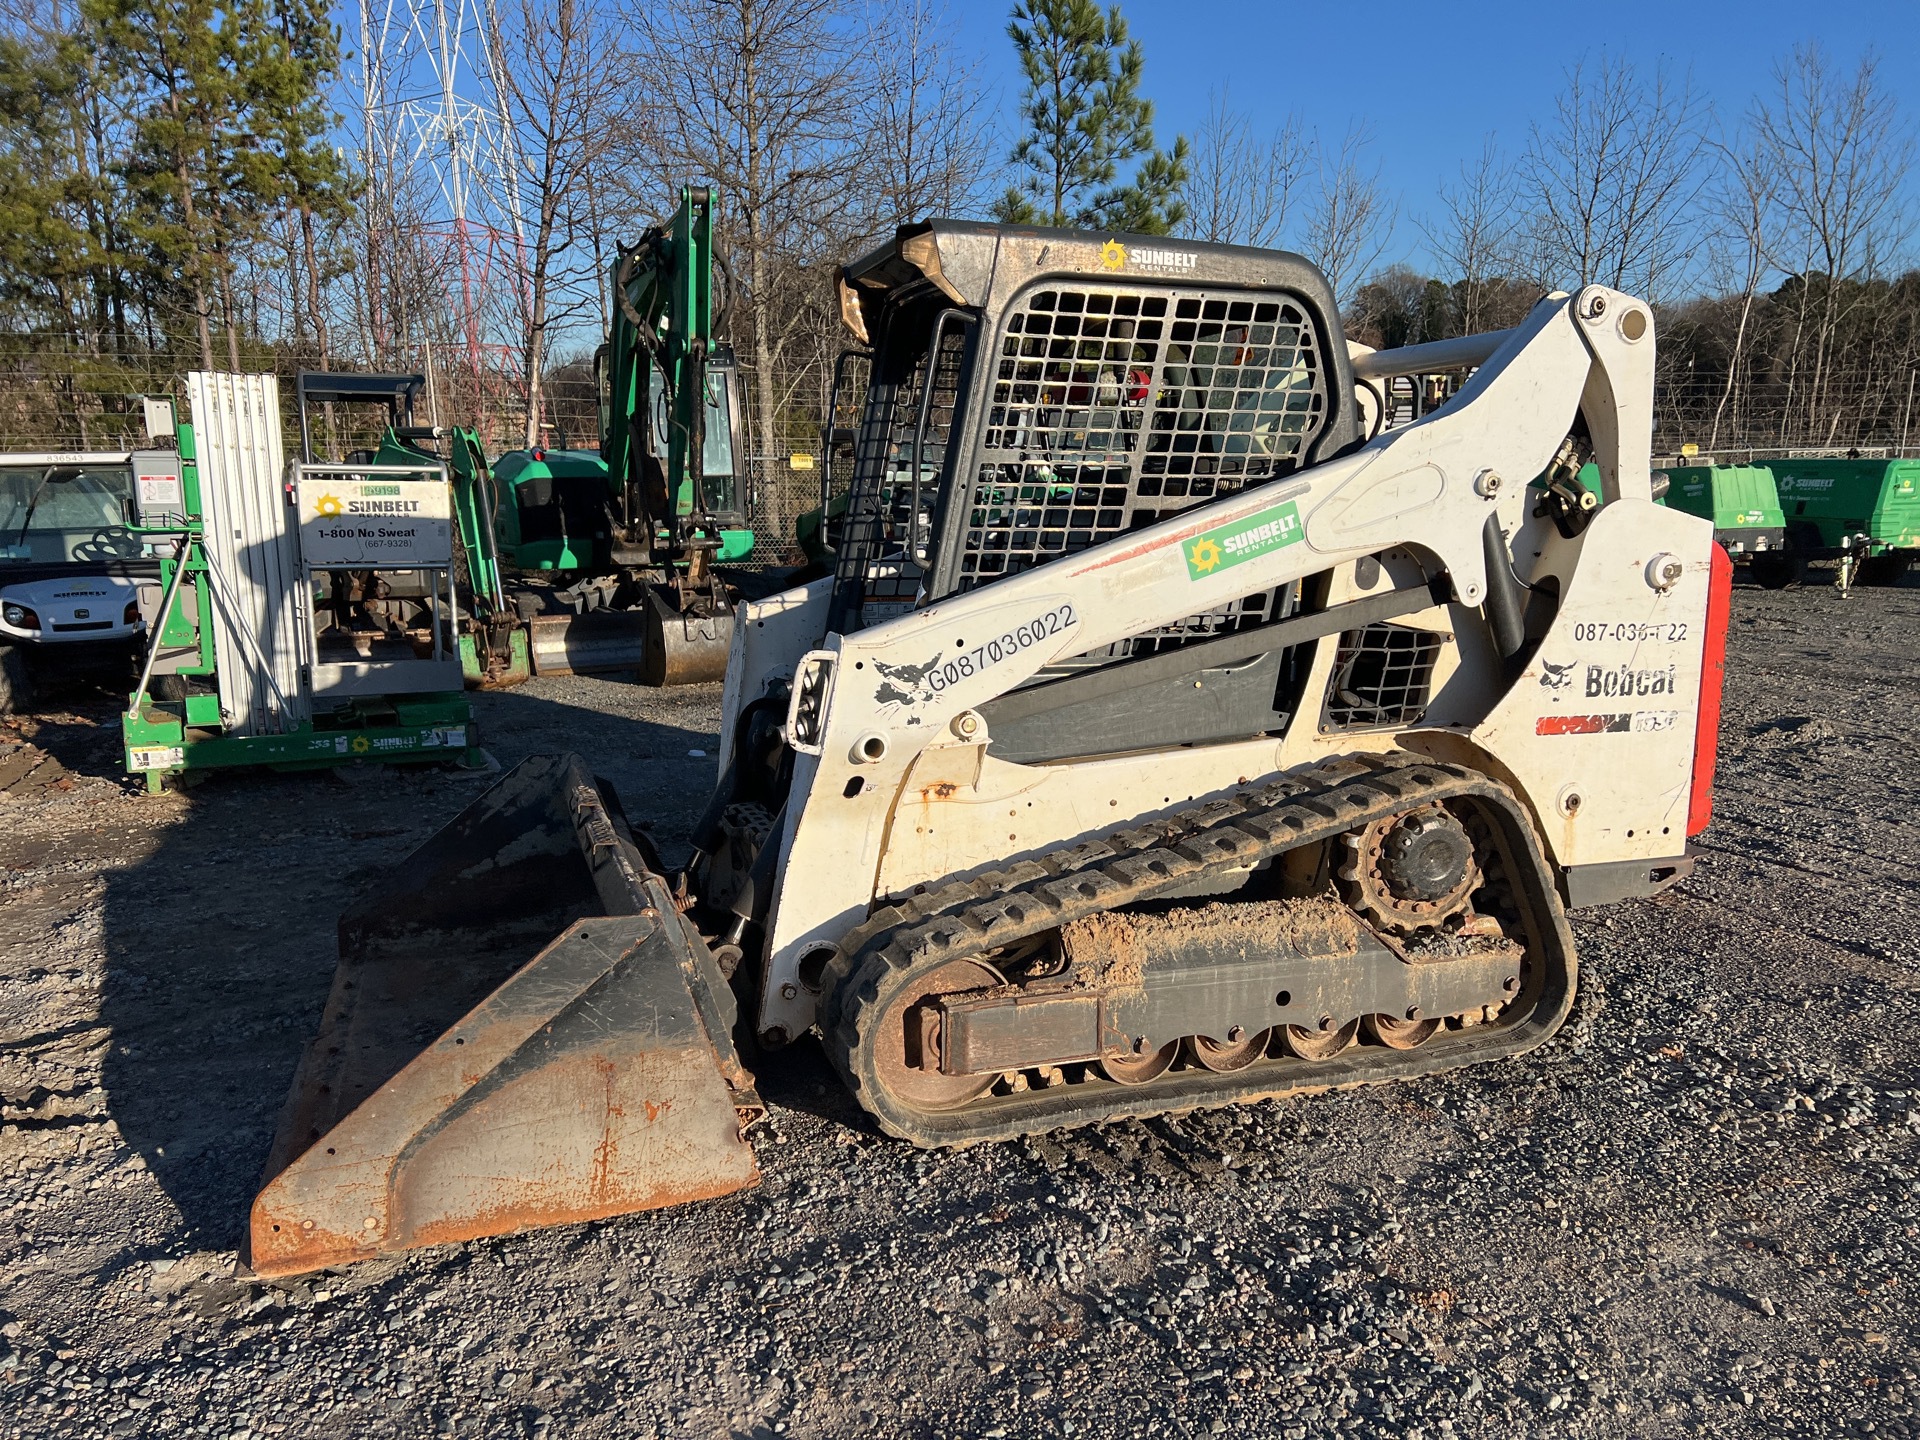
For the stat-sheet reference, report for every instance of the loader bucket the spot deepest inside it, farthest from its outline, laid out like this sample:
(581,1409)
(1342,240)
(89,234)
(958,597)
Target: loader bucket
(597,1078)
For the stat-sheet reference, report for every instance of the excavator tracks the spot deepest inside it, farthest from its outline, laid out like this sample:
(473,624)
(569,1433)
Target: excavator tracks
(958,937)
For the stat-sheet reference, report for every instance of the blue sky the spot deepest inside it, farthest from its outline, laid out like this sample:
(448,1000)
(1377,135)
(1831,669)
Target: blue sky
(1434,85)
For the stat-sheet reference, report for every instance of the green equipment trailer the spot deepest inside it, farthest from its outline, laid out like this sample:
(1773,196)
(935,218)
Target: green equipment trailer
(308,615)
(1740,500)
(1863,513)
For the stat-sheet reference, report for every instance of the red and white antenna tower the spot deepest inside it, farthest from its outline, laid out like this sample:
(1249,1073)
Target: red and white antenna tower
(442,163)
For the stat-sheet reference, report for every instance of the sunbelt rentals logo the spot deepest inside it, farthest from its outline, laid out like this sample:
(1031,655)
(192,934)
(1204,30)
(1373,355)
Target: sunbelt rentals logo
(1238,541)
(329,507)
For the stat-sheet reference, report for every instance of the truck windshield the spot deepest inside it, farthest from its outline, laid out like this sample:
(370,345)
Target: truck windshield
(54,514)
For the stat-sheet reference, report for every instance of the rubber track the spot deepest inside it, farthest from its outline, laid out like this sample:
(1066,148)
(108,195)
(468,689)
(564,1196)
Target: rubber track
(1305,807)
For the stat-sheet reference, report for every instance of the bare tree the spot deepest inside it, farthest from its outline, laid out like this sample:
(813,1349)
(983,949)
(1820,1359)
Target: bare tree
(554,64)
(1841,160)
(762,98)
(1611,176)
(1240,185)
(929,147)
(1474,233)
(1351,221)
(1740,201)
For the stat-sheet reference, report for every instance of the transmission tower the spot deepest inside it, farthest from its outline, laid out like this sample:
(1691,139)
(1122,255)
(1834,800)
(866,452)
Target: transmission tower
(438,139)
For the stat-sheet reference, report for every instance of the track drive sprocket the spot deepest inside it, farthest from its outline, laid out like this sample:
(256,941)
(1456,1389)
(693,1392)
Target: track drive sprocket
(1409,872)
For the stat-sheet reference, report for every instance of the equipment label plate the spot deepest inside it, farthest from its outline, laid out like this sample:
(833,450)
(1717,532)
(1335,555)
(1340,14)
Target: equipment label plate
(389,524)
(1225,546)
(156,757)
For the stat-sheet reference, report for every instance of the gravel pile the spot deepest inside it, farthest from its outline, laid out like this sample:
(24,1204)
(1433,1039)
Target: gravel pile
(1696,1212)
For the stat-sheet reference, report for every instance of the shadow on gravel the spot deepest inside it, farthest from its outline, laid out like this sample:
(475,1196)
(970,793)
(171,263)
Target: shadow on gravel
(219,934)
(800,1077)
(79,726)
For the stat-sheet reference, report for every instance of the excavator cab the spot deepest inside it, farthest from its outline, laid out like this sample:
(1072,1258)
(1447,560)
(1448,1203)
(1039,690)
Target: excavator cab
(1166,734)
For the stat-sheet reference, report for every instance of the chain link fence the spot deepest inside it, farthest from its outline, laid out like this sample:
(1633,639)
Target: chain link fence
(54,398)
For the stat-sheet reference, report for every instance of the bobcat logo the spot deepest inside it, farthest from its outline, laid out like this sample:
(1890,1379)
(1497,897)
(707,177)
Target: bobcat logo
(1556,677)
(904,685)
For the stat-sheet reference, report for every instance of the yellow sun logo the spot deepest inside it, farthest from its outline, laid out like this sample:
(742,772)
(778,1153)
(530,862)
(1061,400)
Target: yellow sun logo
(1204,556)
(328,506)
(1113,255)
(361,744)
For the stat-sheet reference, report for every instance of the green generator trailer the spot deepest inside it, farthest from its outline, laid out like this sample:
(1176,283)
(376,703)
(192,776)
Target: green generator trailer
(1863,513)
(1740,500)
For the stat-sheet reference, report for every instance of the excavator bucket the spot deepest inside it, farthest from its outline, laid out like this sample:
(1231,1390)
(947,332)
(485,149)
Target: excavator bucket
(597,1078)
(685,648)
(665,646)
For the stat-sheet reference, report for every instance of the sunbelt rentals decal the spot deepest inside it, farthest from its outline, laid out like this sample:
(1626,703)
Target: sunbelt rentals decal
(1238,541)
(364,499)
(1163,259)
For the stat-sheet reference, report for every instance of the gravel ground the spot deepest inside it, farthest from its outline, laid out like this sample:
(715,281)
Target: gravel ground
(1695,1212)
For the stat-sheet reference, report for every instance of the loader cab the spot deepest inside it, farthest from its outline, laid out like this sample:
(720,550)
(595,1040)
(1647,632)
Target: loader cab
(1035,393)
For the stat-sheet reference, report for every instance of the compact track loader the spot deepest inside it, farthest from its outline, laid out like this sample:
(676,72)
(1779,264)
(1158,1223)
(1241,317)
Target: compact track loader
(1166,736)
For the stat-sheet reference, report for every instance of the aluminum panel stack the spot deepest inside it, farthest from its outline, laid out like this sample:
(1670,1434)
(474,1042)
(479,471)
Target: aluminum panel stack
(261,627)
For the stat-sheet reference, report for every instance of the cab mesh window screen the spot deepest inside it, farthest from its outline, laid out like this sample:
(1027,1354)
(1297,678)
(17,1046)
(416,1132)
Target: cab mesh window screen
(1381,676)
(1112,408)
(880,523)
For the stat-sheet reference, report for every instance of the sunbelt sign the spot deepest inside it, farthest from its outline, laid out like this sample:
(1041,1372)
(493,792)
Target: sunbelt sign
(374,524)
(1238,541)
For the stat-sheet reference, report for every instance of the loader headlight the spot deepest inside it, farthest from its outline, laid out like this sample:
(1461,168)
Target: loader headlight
(20,617)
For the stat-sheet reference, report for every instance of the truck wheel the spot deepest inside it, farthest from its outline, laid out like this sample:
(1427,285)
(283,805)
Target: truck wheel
(1773,570)
(16,683)
(1884,569)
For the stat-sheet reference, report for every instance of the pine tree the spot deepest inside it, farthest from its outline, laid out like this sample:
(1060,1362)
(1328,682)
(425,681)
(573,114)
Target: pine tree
(1085,119)
(62,225)
(181,58)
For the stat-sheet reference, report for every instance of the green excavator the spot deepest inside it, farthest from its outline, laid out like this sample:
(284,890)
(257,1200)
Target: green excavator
(641,528)
(629,539)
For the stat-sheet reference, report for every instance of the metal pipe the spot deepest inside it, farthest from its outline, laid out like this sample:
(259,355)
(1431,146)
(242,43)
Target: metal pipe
(159,625)
(1433,357)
